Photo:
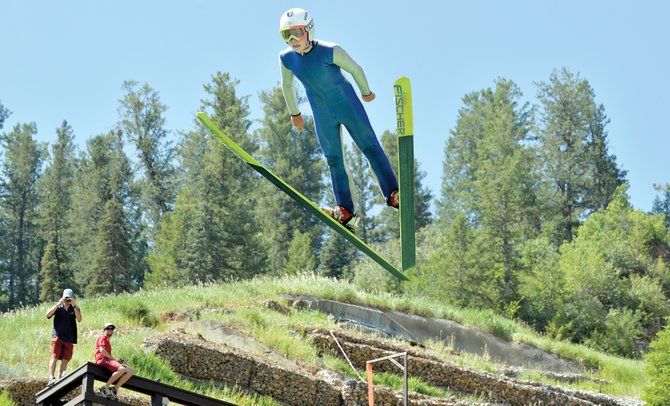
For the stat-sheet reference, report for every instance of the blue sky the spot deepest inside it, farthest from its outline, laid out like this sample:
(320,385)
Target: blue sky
(67,60)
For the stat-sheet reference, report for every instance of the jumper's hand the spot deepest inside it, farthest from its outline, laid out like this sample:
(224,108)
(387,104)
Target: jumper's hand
(298,122)
(369,97)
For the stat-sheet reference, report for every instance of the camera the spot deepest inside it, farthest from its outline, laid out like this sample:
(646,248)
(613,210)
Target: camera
(68,300)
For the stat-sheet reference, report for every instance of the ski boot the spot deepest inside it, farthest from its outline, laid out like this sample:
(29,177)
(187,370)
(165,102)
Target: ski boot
(341,214)
(393,199)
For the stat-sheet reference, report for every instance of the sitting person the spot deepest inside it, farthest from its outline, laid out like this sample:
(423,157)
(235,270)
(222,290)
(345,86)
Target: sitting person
(103,356)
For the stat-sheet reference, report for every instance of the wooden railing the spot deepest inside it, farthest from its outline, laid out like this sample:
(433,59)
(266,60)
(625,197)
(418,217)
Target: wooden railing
(86,375)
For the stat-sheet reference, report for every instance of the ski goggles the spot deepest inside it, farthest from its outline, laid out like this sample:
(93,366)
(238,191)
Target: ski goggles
(297,32)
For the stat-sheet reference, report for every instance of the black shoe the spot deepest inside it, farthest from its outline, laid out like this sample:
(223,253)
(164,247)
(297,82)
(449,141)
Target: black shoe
(105,392)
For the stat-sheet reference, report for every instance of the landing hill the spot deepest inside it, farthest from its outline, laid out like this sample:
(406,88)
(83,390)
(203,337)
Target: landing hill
(271,326)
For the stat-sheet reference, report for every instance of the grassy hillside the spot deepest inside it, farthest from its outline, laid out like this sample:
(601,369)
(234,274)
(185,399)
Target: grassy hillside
(26,332)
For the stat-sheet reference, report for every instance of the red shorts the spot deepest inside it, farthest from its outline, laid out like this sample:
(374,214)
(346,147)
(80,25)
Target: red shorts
(111,364)
(60,349)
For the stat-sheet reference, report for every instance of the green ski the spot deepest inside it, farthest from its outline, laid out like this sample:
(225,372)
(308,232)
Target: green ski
(297,196)
(405,131)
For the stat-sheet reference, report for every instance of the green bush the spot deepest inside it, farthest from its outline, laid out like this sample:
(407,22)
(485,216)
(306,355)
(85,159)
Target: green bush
(658,368)
(139,313)
(648,294)
(581,314)
(621,331)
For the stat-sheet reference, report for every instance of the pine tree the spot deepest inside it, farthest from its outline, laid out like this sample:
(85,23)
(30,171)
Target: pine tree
(56,190)
(300,256)
(605,175)
(581,175)
(388,218)
(208,254)
(661,203)
(452,270)
(216,210)
(5,252)
(423,198)
(336,257)
(190,245)
(105,216)
(233,183)
(142,121)
(166,260)
(365,192)
(115,260)
(89,194)
(20,172)
(389,225)
(489,179)
(4,113)
(5,245)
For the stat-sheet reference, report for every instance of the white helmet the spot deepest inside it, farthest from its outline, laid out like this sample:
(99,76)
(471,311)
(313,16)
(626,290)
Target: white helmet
(297,17)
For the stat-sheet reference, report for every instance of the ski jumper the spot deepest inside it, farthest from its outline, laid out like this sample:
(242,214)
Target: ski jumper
(335,103)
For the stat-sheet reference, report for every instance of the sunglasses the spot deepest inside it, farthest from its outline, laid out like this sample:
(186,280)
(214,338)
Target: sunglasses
(110,328)
(296,32)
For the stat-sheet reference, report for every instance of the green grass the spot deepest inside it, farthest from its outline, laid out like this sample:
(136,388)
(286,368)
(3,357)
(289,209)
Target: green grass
(239,305)
(5,400)
(413,384)
(394,381)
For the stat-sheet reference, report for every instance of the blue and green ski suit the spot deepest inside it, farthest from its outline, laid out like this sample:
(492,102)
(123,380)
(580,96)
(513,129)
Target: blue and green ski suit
(335,103)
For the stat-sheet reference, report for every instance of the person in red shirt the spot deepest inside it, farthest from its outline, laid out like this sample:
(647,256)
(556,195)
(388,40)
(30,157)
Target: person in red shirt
(103,356)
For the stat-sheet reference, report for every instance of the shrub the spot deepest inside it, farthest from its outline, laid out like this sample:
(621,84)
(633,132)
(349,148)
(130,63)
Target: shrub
(658,368)
(648,294)
(139,313)
(621,331)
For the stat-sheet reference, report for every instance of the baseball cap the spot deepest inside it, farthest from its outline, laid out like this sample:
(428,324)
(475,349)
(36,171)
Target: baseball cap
(108,325)
(68,293)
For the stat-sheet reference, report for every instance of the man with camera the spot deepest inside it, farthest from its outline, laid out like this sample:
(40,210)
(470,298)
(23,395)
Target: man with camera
(66,314)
